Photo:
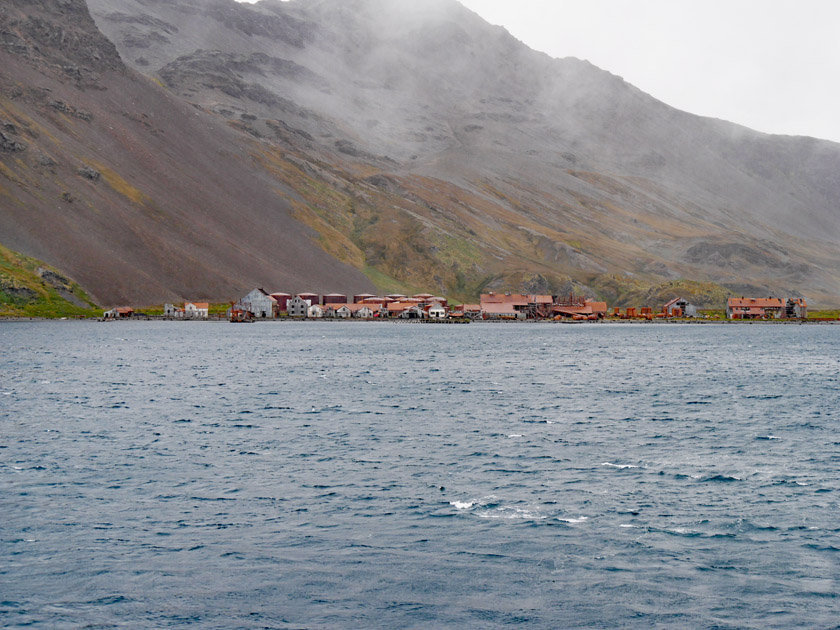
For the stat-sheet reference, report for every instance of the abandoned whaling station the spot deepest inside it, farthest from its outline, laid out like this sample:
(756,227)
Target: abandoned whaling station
(259,304)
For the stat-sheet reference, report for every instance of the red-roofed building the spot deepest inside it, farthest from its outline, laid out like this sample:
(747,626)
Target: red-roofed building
(766,308)
(196,310)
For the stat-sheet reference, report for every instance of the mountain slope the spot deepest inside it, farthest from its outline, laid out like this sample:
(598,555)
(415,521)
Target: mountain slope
(342,144)
(134,193)
(505,163)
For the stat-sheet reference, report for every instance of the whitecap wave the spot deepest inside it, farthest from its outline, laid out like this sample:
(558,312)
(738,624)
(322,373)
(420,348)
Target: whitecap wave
(511,513)
(580,519)
(621,466)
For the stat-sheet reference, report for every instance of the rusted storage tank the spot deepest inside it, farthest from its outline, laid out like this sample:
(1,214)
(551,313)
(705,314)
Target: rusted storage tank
(396,297)
(423,296)
(282,300)
(647,310)
(440,300)
(631,311)
(312,297)
(374,300)
(335,298)
(361,297)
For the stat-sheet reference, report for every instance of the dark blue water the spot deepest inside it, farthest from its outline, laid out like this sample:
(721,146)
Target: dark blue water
(353,475)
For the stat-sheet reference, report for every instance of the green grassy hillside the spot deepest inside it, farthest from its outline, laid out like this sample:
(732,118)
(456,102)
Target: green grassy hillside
(31,288)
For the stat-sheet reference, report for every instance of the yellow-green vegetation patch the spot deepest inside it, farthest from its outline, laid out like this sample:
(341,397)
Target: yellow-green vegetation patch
(620,290)
(457,251)
(386,284)
(119,185)
(31,288)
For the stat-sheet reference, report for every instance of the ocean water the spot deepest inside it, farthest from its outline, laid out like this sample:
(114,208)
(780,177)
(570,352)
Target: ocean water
(361,475)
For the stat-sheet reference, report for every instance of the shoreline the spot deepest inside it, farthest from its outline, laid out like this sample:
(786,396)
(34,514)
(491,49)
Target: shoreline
(655,322)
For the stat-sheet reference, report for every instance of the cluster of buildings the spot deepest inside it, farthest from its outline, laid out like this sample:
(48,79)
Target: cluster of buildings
(260,304)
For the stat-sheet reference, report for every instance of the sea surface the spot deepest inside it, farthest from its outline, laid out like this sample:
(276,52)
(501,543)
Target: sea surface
(378,475)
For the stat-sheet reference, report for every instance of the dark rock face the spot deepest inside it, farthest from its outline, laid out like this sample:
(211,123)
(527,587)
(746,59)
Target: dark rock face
(9,144)
(89,173)
(60,33)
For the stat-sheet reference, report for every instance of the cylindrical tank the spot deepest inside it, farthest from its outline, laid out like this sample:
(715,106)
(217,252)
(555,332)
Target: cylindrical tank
(312,297)
(374,300)
(361,297)
(335,298)
(440,300)
(282,300)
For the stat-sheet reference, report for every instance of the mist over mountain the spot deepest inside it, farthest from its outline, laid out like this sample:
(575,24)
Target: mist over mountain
(416,143)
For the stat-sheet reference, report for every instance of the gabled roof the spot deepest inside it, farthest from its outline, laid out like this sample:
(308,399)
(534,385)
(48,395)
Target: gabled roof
(499,308)
(198,305)
(755,302)
(355,308)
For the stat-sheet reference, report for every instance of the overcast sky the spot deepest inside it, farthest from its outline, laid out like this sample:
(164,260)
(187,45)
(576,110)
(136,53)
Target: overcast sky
(772,65)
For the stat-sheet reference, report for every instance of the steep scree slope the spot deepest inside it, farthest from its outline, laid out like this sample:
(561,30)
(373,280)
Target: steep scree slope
(134,193)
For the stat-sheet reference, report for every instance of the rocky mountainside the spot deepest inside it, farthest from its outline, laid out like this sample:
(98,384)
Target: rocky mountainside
(427,149)
(514,165)
(134,193)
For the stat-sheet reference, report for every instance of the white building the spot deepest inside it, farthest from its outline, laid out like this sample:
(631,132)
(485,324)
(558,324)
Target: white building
(196,310)
(436,311)
(298,307)
(259,304)
(316,311)
(342,312)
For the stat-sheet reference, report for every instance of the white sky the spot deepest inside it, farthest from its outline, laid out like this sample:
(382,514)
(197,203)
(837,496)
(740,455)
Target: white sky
(772,65)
